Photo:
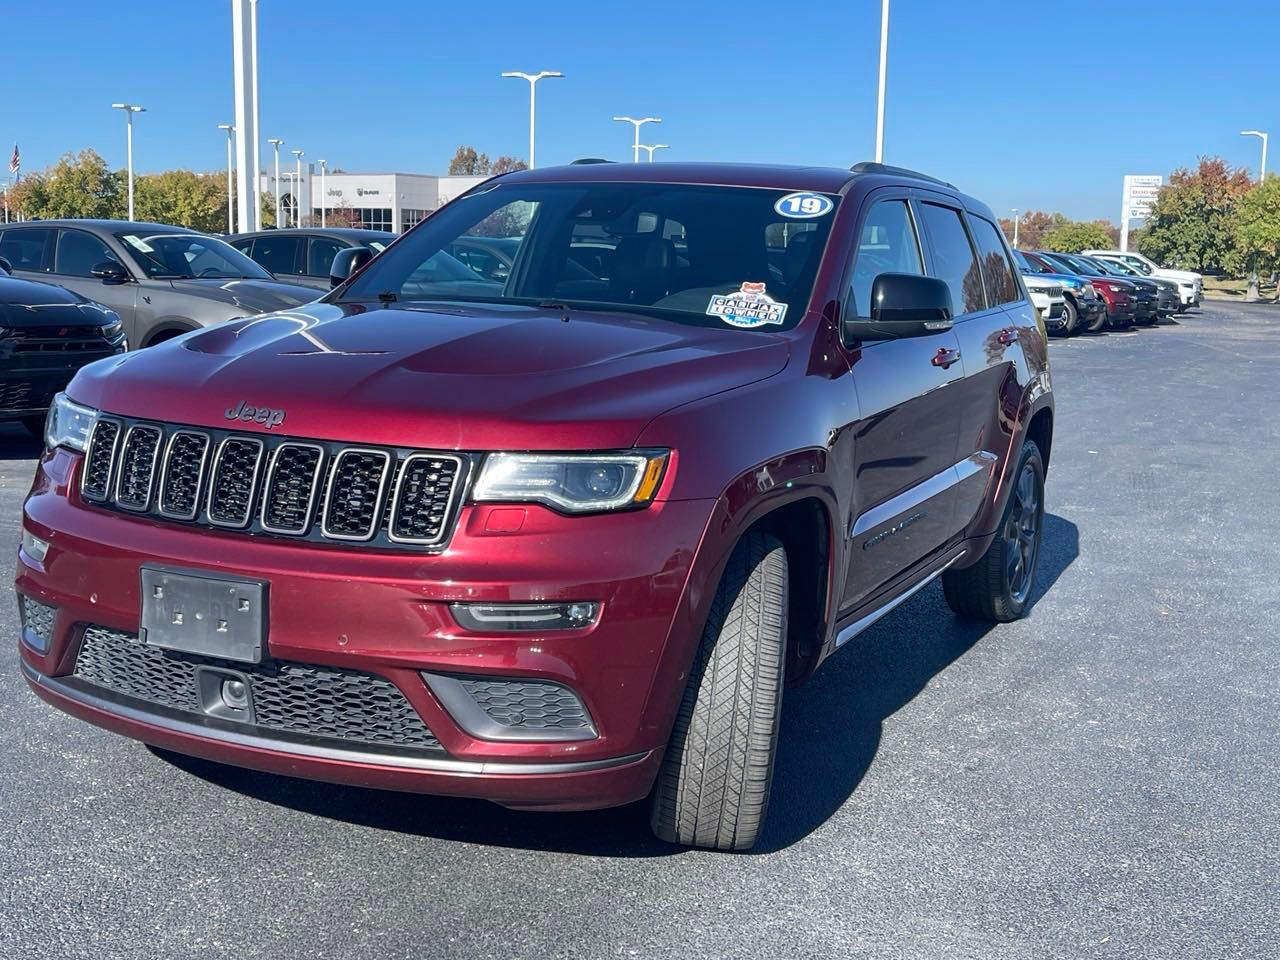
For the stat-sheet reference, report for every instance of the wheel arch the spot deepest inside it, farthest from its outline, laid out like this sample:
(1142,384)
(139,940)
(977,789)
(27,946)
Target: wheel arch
(168,328)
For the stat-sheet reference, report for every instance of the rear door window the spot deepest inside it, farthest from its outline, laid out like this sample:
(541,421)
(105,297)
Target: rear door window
(996,271)
(953,257)
(27,248)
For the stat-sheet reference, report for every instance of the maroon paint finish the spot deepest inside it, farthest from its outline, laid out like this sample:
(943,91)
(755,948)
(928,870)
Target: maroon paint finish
(757,422)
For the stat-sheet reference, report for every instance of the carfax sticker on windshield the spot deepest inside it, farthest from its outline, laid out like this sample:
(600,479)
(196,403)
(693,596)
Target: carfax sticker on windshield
(804,205)
(749,307)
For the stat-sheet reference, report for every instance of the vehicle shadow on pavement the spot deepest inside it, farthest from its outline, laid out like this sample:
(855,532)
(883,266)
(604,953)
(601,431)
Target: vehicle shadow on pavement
(831,731)
(17,444)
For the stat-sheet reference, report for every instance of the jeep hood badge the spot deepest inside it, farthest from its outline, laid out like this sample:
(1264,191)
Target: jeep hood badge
(251,414)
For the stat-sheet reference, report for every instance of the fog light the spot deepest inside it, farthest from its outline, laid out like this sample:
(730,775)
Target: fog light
(234,695)
(506,617)
(34,547)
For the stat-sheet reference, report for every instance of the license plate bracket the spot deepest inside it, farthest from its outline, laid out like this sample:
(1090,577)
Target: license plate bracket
(198,612)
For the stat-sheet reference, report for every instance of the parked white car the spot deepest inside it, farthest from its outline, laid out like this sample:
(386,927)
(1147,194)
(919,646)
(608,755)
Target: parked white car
(1190,285)
(1047,297)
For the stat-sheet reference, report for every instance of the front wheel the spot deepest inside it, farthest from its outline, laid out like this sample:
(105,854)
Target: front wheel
(1070,317)
(998,586)
(713,788)
(1099,322)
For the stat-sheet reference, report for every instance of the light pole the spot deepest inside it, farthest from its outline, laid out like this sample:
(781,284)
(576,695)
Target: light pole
(1262,170)
(884,67)
(297,207)
(230,128)
(1015,228)
(635,149)
(275,144)
(322,194)
(289,177)
(653,147)
(129,110)
(533,79)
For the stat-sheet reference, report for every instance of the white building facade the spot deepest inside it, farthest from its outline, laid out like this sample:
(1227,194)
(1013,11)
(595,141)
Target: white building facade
(376,201)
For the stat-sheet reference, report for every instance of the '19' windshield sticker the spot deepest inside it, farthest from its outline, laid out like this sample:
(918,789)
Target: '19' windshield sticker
(804,206)
(749,307)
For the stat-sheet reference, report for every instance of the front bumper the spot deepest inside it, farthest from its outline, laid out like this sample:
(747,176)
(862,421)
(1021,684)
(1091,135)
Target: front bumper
(385,614)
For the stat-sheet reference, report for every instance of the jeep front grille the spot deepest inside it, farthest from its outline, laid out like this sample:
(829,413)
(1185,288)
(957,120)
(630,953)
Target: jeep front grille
(300,699)
(320,491)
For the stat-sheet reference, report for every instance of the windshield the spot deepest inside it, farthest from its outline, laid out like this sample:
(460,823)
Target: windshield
(705,255)
(1135,264)
(1028,266)
(189,256)
(1116,267)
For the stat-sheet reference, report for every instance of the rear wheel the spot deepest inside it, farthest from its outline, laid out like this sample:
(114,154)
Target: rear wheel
(999,585)
(713,788)
(1099,322)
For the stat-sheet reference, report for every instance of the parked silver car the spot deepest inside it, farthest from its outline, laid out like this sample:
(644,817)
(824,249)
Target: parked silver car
(161,280)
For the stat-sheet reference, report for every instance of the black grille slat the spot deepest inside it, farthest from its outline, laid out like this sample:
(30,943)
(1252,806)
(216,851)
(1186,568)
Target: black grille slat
(234,482)
(137,467)
(320,491)
(182,474)
(351,510)
(96,482)
(296,698)
(291,487)
(38,617)
(423,498)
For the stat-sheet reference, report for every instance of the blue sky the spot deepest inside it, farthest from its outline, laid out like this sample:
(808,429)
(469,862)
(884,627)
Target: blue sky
(1038,106)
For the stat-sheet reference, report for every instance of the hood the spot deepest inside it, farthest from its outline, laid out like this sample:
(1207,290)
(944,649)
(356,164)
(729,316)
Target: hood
(249,297)
(464,377)
(1187,275)
(28,303)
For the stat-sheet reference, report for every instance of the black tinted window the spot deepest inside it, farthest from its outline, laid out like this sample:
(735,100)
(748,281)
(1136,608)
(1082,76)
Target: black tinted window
(320,255)
(78,253)
(887,244)
(953,259)
(278,254)
(1001,285)
(26,248)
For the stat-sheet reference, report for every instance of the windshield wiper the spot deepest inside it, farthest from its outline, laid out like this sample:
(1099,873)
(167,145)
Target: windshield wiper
(387,297)
(555,305)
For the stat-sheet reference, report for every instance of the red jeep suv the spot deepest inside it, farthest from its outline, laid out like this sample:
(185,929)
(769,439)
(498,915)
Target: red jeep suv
(555,540)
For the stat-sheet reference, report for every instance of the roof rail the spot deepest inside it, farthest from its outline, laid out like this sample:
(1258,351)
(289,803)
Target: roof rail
(574,163)
(866,166)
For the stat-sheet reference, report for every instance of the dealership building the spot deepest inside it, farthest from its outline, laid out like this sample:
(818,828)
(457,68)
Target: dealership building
(376,201)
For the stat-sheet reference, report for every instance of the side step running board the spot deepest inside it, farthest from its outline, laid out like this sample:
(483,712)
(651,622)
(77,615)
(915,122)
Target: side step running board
(855,628)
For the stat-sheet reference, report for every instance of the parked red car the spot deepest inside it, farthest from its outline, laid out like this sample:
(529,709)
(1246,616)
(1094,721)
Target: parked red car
(554,541)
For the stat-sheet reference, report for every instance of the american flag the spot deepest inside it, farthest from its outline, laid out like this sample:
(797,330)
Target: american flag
(15,162)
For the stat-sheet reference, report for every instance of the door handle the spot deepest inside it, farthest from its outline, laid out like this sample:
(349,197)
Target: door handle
(945,358)
(1007,336)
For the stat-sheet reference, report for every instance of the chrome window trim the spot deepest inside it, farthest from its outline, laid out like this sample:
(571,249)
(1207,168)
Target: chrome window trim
(151,474)
(450,505)
(253,483)
(379,506)
(164,473)
(315,487)
(111,461)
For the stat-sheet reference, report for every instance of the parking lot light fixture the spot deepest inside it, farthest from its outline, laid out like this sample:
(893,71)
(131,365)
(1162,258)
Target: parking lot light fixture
(1015,228)
(533,79)
(276,145)
(323,163)
(129,110)
(231,199)
(884,69)
(1262,169)
(652,147)
(297,195)
(635,147)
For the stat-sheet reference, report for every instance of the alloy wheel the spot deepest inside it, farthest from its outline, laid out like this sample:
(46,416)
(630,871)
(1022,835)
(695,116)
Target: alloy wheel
(1022,533)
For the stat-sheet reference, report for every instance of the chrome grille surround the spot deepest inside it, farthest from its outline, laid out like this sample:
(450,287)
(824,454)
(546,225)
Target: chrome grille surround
(314,490)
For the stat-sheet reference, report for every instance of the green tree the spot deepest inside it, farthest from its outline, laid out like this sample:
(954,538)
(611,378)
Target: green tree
(466,162)
(184,199)
(1074,236)
(1190,224)
(1255,233)
(78,185)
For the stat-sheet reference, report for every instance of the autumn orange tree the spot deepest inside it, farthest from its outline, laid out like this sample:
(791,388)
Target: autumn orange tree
(1191,223)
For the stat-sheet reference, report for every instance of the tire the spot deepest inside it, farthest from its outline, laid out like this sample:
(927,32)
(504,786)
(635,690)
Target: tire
(999,585)
(35,426)
(1099,323)
(1070,318)
(713,788)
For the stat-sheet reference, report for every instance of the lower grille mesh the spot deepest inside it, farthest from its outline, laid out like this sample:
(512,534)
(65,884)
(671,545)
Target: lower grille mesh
(528,703)
(298,698)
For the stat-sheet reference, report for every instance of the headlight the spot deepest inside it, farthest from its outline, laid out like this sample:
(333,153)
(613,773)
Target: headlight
(69,424)
(575,483)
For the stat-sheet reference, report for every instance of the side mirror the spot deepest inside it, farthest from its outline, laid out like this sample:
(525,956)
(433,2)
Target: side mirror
(903,305)
(5,266)
(108,271)
(346,263)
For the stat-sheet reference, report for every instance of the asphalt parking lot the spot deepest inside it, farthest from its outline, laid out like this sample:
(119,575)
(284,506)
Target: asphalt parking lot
(1098,780)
